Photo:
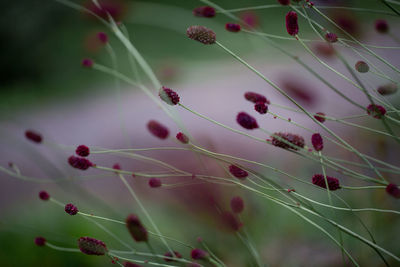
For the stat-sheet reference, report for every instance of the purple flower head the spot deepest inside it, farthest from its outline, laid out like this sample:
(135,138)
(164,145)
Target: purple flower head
(387,89)
(80,163)
(91,246)
(102,37)
(155,182)
(292,26)
(43,195)
(320,116)
(168,96)
(238,172)
(40,241)
(319,180)
(204,11)
(393,190)
(201,34)
(246,121)
(255,97)
(376,111)
(33,136)
(71,209)
(87,63)
(198,254)
(182,138)
(331,37)
(157,129)
(294,139)
(169,254)
(261,107)
(82,151)
(231,221)
(317,142)
(237,204)
(362,67)
(136,229)
(232,27)
(284,2)
(381,26)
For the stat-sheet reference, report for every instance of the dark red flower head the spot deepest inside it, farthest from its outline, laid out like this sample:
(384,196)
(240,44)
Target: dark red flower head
(157,129)
(319,180)
(182,138)
(71,209)
(169,254)
(393,190)
(201,34)
(116,166)
(198,254)
(362,66)
(103,37)
(292,26)
(331,37)
(80,163)
(250,19)
(232,27)
(387,89)
(238,172)
(40,241)
(91,246)
(255,97)
(82,151)
(246,121)
(320,116)
(284,2)
(154,182)
(231,221)
(87,63)
(317,142)
(136,229)
(376,111)
(168,96)
(43,195)
(294,139)
(381,26)
(237,204)
(204,11)
(33,136)
(261,107)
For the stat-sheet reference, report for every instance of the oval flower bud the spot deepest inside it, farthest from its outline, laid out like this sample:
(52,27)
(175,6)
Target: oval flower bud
(292,26)
(136,229)
(319,180)
(317,142)
(91,246)
(168,96)
(201,34)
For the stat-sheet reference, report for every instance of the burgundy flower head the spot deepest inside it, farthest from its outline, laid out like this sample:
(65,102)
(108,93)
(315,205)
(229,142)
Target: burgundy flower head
(238,172)
(232,27)
(43,195)
(393,190)
(40,241)
(292,26)
(155,182)
(255,97)
(169,254)
(231,221)
(294,139)
(71,209)
(250,18)
(80,163)
(317,142)
(204,11)
(246,121)
(320,116)
(87,63)
(201,34)
(284,2)
(319,180)
(103,37)
(91,246)
(237,204)
(116,166)
(168,96)
(82,151)
(387,89)
(157,129)
(33,136)
(331,37)
(362,66)
(198,254)
(376,111)
(136,229)
(261,108)
(182,138)
(381,26)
